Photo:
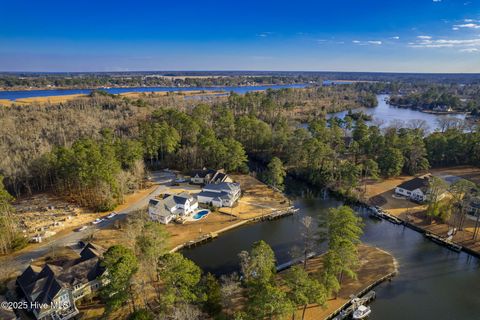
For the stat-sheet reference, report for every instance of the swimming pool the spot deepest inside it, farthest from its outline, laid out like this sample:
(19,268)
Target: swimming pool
(200,214)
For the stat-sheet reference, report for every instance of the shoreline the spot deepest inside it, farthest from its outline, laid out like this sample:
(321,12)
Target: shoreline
(413,215)
(455,112)
(370,275)
(22,89)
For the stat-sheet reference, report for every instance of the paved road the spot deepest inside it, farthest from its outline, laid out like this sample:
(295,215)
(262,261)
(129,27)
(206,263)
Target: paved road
(21,261)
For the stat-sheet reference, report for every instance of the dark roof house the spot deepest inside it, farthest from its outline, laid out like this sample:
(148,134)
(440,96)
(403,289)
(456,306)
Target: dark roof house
(52,283)
(416,183)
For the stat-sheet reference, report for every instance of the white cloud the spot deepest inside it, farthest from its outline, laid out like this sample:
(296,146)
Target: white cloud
(369,42)
(470,50)
(264,34)
(424,37)
(437,0)
(396,38)
(455,28)
(468,26)
(446,43)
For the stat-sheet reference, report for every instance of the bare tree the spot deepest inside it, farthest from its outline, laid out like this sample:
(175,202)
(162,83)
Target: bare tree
(309,237)
(230,289)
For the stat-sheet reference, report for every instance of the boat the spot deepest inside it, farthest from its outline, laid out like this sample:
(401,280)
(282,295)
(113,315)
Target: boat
(375,212)
(361,312)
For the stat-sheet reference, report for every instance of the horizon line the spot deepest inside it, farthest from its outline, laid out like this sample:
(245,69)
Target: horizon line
(249,71)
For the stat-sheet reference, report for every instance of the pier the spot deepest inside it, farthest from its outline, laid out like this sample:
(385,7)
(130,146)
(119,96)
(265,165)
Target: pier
(354,304)
(277,214)
(363,297)
(378,213)
(444,242)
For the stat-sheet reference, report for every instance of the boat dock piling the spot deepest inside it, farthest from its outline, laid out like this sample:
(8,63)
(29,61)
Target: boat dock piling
(434,237)
(200,240)
(278,214)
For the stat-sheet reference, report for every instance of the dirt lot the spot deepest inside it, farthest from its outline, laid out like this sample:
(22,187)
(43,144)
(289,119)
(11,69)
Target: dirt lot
(381,193)
(47,215)
(257,199)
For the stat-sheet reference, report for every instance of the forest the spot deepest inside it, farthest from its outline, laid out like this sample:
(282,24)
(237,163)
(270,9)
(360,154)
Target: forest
(94,150)
(98,80)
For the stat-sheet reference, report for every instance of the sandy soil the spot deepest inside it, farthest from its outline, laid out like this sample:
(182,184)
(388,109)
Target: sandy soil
(380,193)
(132,95)
(51,216)
(257,199)
(374,265)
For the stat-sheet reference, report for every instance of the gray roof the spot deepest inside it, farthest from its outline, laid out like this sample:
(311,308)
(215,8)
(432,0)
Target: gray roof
(171,200)
(153,202)
(42,285)
(215,195)
(223,186)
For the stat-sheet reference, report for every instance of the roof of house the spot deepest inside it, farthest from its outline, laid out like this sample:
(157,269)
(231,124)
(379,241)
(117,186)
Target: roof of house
(415,183)
(222,186)
(170,201)
(42,284)
(202,173)
(213,195)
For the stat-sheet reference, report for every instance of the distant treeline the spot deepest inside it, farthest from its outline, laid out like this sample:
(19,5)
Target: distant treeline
(216,78)
(45,81)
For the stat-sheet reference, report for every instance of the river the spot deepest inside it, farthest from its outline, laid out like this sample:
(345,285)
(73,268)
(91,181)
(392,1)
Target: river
(13,95)
(386,114)
(433,282)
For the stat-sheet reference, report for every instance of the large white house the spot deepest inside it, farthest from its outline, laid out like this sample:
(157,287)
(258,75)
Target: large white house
(172,206)
(415,189)
(223,194)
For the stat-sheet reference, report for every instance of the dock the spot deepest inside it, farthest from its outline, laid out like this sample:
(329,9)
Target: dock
(353,304)
(381,214)
(363,297)
(200,240)
(277,214)
(295,261)
(444,242)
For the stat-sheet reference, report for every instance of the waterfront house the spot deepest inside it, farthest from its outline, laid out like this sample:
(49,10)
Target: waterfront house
(416,189)
(223,194)
(172,206)
(60,286)
(206,176)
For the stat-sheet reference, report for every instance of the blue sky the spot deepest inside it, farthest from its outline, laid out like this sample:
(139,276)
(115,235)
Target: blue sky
(334,35)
